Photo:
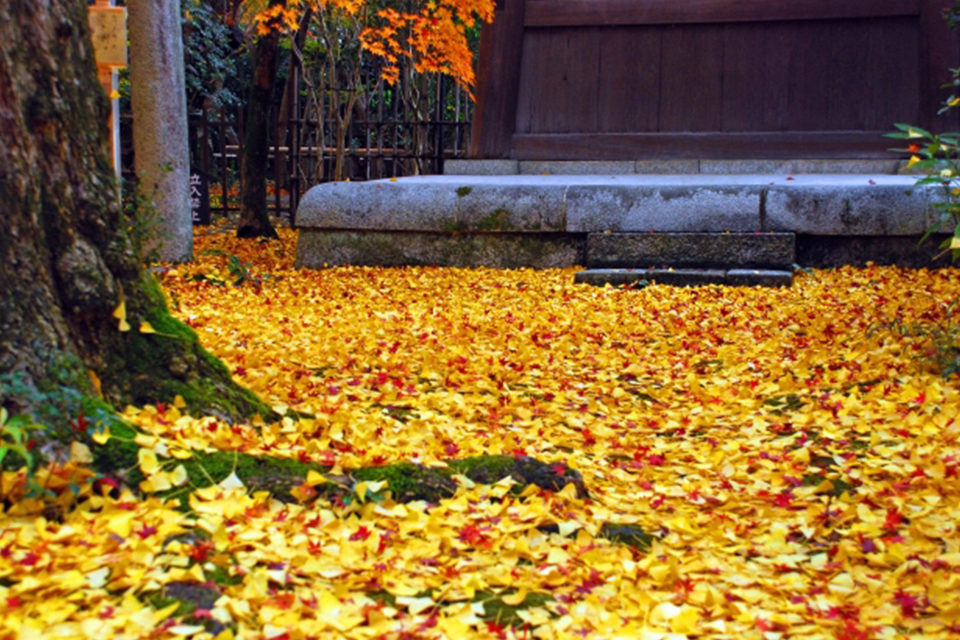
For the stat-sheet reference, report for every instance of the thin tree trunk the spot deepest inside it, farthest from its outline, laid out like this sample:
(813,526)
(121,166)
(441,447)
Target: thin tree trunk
(160,138)
(254,220)
(66,260)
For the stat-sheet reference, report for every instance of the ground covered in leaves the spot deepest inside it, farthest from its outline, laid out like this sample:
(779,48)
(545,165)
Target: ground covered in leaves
(791,455)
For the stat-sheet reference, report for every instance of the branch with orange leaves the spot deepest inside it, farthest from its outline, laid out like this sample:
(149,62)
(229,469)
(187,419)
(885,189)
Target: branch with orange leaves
(434,38)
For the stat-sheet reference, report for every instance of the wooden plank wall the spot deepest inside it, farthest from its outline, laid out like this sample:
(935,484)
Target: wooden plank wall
(712,78)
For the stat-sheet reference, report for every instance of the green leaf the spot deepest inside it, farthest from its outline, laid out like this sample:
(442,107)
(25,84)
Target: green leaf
(913,131)
(21,450)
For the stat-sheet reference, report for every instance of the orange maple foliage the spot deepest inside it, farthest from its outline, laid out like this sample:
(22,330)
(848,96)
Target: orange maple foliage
(433,37)
(276,17)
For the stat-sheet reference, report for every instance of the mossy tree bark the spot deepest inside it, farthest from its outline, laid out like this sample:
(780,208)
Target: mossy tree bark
(254,221)
(66,259)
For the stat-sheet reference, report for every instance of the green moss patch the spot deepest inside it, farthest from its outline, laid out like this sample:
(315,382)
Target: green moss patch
(627,534)
(524,470)
(148,367)
(496,611)
(277,476)
(483,469)
(189,598)
(408,481)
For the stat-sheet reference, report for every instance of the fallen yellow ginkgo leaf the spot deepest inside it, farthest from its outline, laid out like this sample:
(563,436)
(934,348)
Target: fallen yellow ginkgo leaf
(120,313)
(314,478)
(516,598)
(231,482)
(362,488)
(80,452)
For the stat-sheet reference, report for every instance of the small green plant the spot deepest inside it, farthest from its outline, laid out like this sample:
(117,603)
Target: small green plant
(142,220)
(938,341)
(14,437)
(939,156)
(239,271)
(945,347)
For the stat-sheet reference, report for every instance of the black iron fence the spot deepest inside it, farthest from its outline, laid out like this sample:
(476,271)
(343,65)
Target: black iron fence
(407,129)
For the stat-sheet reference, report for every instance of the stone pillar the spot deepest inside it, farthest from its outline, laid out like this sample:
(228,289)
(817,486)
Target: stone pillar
(160,143)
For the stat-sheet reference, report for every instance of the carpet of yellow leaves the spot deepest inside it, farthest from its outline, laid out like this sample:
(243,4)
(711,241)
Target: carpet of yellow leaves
(792,452)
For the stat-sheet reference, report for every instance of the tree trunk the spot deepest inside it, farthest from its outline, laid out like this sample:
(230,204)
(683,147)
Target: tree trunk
(160,137)
(66,259)
(254,221)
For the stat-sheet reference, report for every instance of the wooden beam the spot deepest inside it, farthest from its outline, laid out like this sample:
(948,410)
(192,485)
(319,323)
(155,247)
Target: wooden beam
(498,82)
(735,146)
(580,13)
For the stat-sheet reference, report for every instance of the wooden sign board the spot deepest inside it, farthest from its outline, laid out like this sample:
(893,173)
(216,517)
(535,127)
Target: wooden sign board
(199,197)
(108,30)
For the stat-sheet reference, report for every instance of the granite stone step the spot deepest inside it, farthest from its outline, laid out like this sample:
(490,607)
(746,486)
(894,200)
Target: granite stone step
(680,250)
(685,277)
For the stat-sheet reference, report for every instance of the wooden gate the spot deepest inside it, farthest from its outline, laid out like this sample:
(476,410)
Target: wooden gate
(637,79)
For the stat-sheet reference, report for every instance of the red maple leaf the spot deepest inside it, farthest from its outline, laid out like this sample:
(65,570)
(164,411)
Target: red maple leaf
(595,580)
(893,520)
(285,600)
(200,550)
(853,631)
(762,623)
(430,622)
(471,534)
(360,534)
(684,587)
(784,499)
(908,603)
(80,424)
(145,532)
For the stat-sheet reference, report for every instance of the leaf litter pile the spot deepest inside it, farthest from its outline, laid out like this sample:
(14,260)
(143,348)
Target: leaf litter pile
(786,463)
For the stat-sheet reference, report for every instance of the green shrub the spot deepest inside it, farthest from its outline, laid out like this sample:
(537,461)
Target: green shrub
(939,156)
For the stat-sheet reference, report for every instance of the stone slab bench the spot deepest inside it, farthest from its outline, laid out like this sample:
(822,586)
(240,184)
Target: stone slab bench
(551,220)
